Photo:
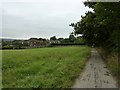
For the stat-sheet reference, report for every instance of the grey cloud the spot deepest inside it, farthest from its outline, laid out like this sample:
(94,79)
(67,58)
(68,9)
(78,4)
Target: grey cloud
(43,19)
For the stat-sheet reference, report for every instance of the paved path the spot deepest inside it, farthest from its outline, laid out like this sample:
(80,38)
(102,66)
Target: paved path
(95,75)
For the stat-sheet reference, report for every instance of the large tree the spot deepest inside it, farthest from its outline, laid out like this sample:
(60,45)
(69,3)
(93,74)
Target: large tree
(102,26)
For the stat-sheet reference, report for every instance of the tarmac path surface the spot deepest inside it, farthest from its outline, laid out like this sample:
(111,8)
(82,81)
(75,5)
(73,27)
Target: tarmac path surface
(96,74)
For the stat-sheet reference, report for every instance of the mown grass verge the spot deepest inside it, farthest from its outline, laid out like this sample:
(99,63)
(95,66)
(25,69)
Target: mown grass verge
(44,67)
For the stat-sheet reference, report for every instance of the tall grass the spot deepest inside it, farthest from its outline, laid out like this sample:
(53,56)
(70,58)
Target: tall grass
(44,67)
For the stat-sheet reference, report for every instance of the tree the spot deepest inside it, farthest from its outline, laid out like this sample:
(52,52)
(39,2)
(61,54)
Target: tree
(61,39)
(53,38)
(79,40)
(100,27)
(33,39)
(86,27)
(72,37)
(66,41)
(40,39)
(17,44)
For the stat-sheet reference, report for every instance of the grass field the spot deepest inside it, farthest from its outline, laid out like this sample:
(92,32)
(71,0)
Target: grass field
(55,67)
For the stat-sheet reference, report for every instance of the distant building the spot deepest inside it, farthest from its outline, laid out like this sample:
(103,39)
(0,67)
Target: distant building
(54,41)
(30,43)
(33,42)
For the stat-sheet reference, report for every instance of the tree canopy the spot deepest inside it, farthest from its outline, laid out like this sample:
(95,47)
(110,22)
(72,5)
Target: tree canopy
(101,27)
(53,38)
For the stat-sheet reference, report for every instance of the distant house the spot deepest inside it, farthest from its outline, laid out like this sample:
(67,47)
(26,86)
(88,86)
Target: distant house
(54,41)
(30,43)
(33,42)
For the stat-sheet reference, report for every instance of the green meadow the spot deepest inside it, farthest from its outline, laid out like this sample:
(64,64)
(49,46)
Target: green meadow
(54,67)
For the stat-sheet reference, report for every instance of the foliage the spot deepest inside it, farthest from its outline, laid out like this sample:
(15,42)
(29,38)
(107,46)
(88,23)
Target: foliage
(7,47)
(53,38)
(102,26)
(72,38)
(79,40)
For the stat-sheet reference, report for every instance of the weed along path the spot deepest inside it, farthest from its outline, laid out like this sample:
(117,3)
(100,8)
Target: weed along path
(95,75)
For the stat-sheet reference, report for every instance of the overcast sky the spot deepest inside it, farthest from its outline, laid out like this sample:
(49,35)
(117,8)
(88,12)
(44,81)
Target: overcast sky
(40,18)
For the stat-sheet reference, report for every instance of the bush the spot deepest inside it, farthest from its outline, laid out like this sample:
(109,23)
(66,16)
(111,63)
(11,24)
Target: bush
(7,47)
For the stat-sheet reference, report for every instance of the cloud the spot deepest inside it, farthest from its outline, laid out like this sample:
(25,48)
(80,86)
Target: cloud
(46,1)
(40,19)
